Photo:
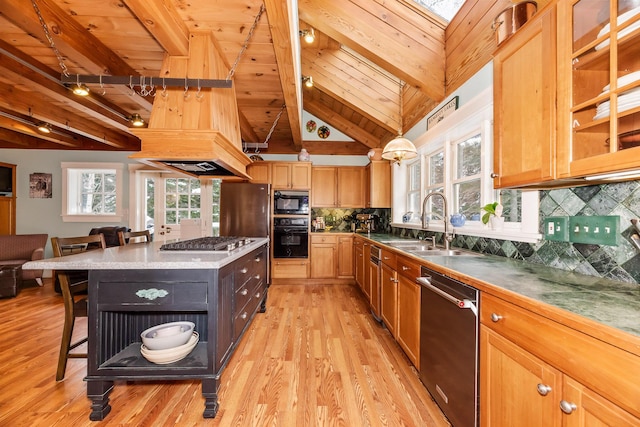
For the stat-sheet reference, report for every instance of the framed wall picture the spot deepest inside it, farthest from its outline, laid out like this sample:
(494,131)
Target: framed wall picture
(442,113)
(40,186)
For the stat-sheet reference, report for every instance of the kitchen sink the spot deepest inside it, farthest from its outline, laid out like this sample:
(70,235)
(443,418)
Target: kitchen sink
(412,247)
(442,252)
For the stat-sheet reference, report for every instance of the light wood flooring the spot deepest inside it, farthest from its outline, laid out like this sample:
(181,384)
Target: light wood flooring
(315,358)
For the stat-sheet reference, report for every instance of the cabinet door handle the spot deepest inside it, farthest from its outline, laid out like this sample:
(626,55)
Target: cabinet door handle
(258,259)
(567,407)
(244,315)
(405,268)
(543,389)
(244,292)
(257,277)
(386,257)
(244,270)
(257,295)
(494,175)
(495,317)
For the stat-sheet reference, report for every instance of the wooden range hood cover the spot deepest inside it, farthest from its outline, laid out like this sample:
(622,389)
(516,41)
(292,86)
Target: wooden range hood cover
(197,132)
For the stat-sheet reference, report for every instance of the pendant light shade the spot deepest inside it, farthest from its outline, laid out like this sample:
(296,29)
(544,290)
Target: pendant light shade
(399,148)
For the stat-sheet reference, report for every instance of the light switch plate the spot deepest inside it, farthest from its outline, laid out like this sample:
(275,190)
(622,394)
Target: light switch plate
(595,230)
(556,228)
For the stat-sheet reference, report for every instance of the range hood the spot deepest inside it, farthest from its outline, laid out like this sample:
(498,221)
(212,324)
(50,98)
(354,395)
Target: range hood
(195,131)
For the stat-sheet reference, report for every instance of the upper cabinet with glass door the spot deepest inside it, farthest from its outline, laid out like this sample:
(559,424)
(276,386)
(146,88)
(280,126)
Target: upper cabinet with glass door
(598,87)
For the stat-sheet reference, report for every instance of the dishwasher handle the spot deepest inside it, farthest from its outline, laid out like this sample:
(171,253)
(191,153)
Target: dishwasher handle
(461,303)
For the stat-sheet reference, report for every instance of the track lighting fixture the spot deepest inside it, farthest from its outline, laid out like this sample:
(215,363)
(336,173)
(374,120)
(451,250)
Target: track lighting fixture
(308,35)
(136,120)
(44,127)
(308,81)
(80,89)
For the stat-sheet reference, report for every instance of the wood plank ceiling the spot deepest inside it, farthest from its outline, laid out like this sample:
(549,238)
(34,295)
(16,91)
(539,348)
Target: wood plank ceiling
(363,51)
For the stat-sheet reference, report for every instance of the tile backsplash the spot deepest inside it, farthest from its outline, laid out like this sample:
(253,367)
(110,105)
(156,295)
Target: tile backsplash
(620,262)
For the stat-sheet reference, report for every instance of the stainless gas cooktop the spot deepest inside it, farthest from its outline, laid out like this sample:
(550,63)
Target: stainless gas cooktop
(213,243)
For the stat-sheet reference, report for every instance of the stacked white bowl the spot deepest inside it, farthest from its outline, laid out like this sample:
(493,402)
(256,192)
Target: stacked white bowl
(168,342)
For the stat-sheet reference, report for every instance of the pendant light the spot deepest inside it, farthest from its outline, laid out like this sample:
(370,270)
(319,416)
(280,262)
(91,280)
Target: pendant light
(399,148)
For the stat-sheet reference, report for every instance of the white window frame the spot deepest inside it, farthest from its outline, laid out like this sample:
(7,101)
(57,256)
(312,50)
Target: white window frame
(474,117)
(71,191)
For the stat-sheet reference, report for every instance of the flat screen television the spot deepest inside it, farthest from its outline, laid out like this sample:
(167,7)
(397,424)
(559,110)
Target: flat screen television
(6,180)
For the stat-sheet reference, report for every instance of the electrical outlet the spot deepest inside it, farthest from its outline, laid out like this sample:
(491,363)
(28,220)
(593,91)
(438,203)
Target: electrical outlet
(556,228)
(596,230)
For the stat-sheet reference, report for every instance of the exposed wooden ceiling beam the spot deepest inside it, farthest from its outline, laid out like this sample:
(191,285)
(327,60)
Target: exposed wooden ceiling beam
(22,69)
(71,39)
(334,73)
(284,32)
(343,125)
(387,35)
(44,109)
(161,19)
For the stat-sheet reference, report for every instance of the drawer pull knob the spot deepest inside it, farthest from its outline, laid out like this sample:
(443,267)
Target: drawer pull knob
(543,389)
(258,259)
(567,407)
(405,268)
(244,292)
(244,270)
(257,277)
(152,293)
(257,295)
(244,315)
(495,317)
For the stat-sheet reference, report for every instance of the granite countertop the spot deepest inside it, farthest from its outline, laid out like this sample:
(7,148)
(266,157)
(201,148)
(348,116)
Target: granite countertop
(609,302)
(144,256)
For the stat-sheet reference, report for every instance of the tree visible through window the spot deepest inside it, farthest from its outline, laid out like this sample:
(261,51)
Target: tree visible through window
(98,192)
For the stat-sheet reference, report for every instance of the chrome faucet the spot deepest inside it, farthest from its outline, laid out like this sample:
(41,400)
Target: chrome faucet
(447,237)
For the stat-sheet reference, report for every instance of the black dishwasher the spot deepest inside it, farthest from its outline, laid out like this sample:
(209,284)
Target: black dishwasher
(449,346)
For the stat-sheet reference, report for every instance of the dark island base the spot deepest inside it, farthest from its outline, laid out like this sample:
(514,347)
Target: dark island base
(98,392)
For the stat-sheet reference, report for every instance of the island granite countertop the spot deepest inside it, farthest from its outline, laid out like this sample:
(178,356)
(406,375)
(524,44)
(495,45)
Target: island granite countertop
(145,256)
(608,302)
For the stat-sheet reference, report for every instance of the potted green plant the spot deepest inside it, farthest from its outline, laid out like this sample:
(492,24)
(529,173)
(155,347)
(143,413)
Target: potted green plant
(493,215)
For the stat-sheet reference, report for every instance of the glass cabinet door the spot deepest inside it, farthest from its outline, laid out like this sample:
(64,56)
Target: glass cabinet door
(605,84)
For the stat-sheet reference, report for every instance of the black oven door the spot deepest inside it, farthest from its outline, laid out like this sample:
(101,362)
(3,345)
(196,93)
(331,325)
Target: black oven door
(289,242)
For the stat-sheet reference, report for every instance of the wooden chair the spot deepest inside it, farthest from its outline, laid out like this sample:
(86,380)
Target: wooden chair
(125,237)
(73,285)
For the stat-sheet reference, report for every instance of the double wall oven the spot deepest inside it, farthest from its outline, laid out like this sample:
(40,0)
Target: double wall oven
(291,224)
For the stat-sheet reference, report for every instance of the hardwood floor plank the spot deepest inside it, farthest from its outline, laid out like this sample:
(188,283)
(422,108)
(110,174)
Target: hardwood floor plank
(315,358)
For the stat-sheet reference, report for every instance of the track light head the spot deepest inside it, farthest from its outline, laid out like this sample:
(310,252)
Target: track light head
(136,120)
(308,35)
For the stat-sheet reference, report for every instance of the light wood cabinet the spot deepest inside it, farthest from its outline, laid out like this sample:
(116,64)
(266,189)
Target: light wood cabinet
(359,261)
(260,172)
(389,291)
(291,175)
(323,256)
(331,256)
(408,332)
(345,257)
(378,184)
(341,187)
(524,88)
(599,66)
(509,376)
(8,204)
(351,187)
(289,268)
(537,372)
(323,187)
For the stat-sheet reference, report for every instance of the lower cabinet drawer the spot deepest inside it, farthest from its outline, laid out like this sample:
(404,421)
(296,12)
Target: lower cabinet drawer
(244,313)
(290,269)
(152,294)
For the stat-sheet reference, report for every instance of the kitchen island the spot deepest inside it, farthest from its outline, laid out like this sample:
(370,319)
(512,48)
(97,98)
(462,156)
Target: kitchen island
(134,287)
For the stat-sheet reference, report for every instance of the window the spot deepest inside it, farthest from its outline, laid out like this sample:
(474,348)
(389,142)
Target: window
(93,192)
(467,189)
(182,199)
(413,193)
(455,159)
